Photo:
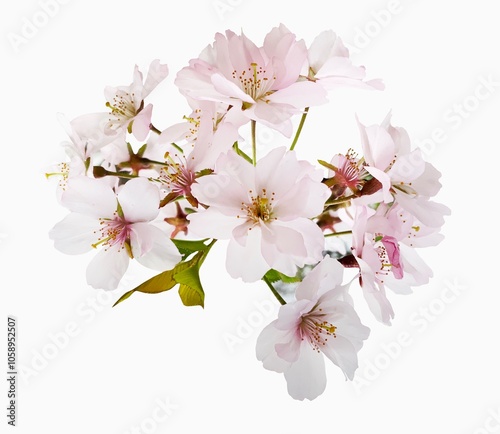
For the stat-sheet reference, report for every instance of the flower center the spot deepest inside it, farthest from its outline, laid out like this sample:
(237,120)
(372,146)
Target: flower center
(316,330)
(260,208)
(115,231)
(254,81)
(177,177)
(122,108)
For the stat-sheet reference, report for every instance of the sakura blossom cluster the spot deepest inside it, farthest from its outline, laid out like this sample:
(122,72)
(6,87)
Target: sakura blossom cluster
(164,196)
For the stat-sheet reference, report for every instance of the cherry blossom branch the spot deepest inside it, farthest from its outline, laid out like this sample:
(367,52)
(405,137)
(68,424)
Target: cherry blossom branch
(338,234)
(299,129)
(273,290)
(101,172)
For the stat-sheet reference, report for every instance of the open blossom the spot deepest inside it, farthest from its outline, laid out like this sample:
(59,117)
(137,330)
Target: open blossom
(86,134)
(260,83)
(208,134)
(383,244)
(209,123)
(127,102)
(319,323)
(347,176)
(120,224)
(264,211)
(404,175)
(330,65)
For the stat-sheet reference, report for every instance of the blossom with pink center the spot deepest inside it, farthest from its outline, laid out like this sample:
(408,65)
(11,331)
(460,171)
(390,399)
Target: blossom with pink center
(405,177)
(319,323)
(348,175)
(331,67)
(119,224)
(260,83)
(264,210)
(127,102)
(383,244)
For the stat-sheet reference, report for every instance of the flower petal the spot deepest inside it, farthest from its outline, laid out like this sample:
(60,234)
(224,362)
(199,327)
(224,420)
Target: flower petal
(89,196)
(156,74)
(212,224)
(139,200)
(75,234)
(306,378)
(247,261)
(141,122)
(107,268)
(265,348)
(153,248)
(325,276)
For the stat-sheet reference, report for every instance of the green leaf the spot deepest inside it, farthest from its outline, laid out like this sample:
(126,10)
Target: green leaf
(160,283)
(190,290)
(188,247)
(124,297)
(186,274)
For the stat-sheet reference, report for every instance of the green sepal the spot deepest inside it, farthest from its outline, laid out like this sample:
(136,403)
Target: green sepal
(275,276)
(328,165)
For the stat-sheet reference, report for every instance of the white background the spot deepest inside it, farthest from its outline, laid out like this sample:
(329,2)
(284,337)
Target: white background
(110,375)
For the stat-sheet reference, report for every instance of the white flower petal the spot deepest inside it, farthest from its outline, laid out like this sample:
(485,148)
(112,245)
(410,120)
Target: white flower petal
(212,224)
(141,123)
(326,45)
(140,200)
(156,74)
(306,378)
(107,268)
(342,352)
(300,95)
(265,348)
(378,146)
(247,261)
(75,234)
(326,275)
(153,248)
(89,196)
(228,88)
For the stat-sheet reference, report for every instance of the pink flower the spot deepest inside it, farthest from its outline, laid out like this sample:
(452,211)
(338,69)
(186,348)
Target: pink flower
(264,211)
(208,132)
(383,244)
(331,67)
(118,223)
(86,135)
(405,177)
(348,176)
(319,323)
(127,102)
(259,83)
